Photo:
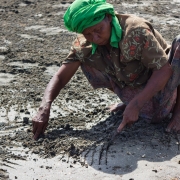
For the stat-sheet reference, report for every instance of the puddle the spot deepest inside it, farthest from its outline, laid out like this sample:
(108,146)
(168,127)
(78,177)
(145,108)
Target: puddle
(61,5)
(38,15)
(171,22)
(52,30)
(22,4)
(51,70)
(14,118)
(6,78)
(22,65)
(2,10)
(2,57)
(35,27)
(46,30)
(136,4)
(4,50)
(65,51)
(12,114)
(30,37)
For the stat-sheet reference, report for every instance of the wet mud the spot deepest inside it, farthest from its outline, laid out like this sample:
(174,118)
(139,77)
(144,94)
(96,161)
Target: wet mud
(33,44)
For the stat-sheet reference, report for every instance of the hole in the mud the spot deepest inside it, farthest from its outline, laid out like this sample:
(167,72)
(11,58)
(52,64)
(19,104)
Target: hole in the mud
(21,65)
(27,2)
(51,70)
(63,2)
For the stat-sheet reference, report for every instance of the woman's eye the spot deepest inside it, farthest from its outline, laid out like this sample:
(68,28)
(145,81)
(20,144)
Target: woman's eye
(98,30)
(86,35)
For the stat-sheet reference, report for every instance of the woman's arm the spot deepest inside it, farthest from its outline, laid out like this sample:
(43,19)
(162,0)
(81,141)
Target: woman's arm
(156,83)
(58,81)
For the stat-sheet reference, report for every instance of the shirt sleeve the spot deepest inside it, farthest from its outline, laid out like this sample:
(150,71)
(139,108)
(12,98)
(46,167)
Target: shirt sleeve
(141,44)
(79,50)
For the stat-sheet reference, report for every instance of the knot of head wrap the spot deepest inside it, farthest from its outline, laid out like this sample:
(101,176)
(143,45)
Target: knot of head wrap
(82,14)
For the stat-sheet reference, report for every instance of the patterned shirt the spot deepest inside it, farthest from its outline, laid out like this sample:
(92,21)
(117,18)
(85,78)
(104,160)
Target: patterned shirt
(141,50)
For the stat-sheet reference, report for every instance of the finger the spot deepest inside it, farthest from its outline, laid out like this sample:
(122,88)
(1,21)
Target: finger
(130,124)
(44,128)
(175,129)
(38,131)
(35,126)
(169,128)
(34,121)
(121,126)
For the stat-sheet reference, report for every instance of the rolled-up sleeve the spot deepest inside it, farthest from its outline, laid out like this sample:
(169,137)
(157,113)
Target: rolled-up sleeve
(79,50)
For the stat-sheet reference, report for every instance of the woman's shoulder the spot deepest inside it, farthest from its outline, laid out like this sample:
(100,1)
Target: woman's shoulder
(81,42)
(81,45)
(80,49)
(130,22)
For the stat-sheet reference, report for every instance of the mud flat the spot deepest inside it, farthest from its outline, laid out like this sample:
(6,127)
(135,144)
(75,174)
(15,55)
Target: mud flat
(76,145)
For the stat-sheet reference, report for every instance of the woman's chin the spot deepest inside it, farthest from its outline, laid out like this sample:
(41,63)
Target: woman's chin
(102,43)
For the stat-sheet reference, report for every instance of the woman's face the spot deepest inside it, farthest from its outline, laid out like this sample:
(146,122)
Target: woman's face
(100,33)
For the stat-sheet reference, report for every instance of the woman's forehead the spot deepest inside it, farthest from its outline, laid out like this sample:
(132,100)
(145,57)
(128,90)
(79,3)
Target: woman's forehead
(92,28)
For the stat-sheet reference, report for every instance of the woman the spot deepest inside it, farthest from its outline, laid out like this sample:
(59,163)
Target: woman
(125,54)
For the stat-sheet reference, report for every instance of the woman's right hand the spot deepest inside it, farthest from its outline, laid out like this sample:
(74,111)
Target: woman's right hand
(58,81)
(40,121)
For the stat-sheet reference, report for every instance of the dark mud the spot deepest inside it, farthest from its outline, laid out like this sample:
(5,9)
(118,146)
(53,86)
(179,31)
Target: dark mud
(33,43)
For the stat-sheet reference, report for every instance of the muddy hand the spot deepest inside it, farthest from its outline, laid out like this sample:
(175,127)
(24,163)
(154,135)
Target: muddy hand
(130,116)
(125,123)
(40,122)
(174,125)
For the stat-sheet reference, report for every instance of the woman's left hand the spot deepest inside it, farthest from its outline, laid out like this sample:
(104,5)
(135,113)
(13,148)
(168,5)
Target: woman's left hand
(130,115)
(156,82)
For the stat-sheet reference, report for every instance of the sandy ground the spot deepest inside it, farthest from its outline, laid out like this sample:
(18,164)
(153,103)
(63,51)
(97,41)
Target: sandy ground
(76,144)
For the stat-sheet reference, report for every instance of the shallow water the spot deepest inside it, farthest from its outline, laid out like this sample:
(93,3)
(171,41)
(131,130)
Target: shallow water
(6,78)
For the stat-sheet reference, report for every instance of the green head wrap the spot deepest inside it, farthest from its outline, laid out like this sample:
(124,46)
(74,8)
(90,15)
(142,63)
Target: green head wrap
(82,14)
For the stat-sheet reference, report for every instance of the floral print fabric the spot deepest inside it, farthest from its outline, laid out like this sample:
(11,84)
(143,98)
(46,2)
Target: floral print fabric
(126,69)
(161,104)
(141,51)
